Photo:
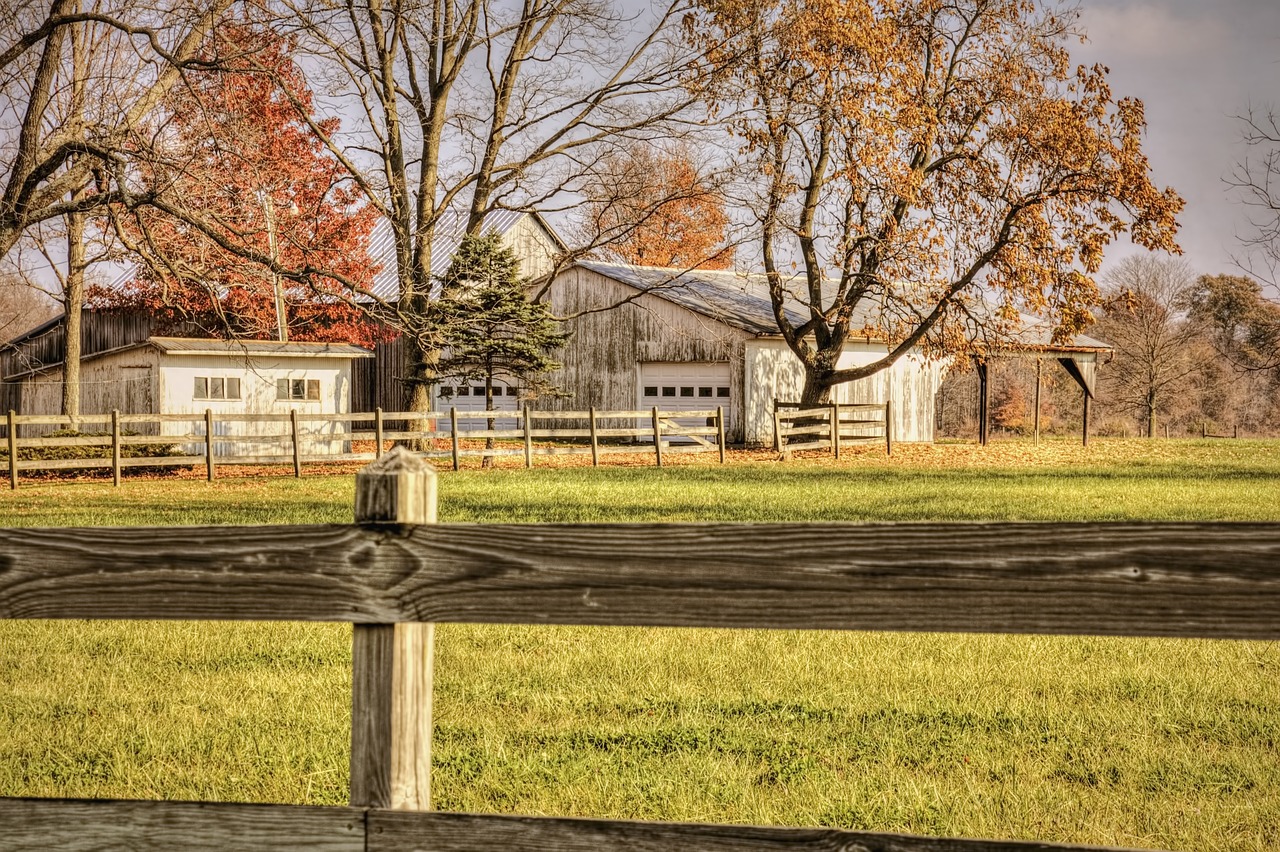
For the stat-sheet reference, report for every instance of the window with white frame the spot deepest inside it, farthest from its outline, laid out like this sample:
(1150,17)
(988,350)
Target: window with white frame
(297,389)
(216,387)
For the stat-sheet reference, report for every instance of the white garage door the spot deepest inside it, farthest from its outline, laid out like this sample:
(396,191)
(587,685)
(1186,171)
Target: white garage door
(671,386)
(684,386)
(469,396)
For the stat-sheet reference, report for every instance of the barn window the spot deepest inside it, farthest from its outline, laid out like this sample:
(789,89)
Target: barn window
(686,391)
(290,389)
(463,390)
(722,392)
(216,387)
(650,390)
(668,391)
(706,391)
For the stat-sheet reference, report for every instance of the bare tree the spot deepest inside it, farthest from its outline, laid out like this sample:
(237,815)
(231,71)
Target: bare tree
(81,80)
(1256,181)
(475,105)
(1157,351)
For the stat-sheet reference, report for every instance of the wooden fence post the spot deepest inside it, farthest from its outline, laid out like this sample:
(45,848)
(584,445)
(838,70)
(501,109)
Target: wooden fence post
(835,429)
(888,428)
(115,447)
(528,438)
(595,443)
(777,429)
(657,437)
(720,430)
(13,450)
(297,454)
(377,432)
(1039,363)
(1204,429)
(391,665)
(208,443)
(453,434)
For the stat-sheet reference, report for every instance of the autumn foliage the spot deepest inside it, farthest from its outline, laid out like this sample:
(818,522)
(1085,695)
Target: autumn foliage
(653,208)
(929,168)
(248,200)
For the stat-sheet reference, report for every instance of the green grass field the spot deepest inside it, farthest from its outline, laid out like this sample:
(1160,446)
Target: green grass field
(1159,743)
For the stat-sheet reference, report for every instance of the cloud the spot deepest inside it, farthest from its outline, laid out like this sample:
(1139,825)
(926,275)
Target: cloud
(1154,31)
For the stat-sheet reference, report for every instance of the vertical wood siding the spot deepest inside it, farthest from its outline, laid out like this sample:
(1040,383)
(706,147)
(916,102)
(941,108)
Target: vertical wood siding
(602,356)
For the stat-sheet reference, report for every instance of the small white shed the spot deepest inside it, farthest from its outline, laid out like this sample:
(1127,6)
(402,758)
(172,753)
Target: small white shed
(175,375)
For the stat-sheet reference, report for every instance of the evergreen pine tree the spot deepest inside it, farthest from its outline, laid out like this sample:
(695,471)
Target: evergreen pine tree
(488,327)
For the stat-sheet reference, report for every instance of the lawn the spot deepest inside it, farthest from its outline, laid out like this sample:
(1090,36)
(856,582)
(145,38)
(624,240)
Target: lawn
(1157,743)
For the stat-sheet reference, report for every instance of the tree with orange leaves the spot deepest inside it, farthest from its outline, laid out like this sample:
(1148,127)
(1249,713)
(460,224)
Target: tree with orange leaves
(929,168)
(653,208)
(255,231)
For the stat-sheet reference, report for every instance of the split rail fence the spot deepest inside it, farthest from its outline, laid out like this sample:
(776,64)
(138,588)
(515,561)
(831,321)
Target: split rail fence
(394,573)
(854,423)
(301,438)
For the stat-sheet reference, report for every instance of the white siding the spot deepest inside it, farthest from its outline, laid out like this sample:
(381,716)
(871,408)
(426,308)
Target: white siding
(911,384)
(258,378)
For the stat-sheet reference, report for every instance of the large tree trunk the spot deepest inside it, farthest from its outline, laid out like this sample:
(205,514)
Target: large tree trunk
(73,303)
(817,388)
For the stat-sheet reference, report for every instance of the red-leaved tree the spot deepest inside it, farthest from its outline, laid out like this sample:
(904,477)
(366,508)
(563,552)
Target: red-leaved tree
(259,233)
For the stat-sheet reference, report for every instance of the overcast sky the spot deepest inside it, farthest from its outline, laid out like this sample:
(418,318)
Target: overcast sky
(1196,64)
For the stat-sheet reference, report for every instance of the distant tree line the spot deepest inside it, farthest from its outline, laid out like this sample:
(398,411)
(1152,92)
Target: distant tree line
(1193,354)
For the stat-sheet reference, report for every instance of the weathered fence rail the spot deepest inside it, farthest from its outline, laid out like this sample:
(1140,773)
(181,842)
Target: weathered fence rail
(830,426)
(396,572)
(326,438)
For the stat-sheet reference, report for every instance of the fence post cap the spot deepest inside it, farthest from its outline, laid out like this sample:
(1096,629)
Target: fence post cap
(399,488)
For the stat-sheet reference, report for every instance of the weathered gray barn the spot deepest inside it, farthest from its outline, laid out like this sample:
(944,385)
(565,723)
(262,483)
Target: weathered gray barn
(689,340)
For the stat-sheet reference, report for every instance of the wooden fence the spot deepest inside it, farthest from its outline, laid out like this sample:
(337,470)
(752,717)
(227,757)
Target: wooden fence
(294,438)
(394,573)
(813,426)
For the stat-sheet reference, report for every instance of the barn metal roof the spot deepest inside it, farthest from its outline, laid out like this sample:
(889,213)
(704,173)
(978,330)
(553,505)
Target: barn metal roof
(741,300)
(448,236)
(255,348)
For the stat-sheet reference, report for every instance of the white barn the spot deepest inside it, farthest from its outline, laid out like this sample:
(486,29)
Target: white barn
(690,340)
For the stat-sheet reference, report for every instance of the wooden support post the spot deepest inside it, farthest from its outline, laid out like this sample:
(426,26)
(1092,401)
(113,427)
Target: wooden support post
(115,447)
(888,428)
(208,443)
(13,450)
(1235,431)
(777,429)
(984,402)
(657,437)
(1036,418)
(1166,431)
(453,434)
(1085,426)
(391,665)
(377,432)
(297,452)
(1204,429)
(720,430)
(528,438)
(595,443)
